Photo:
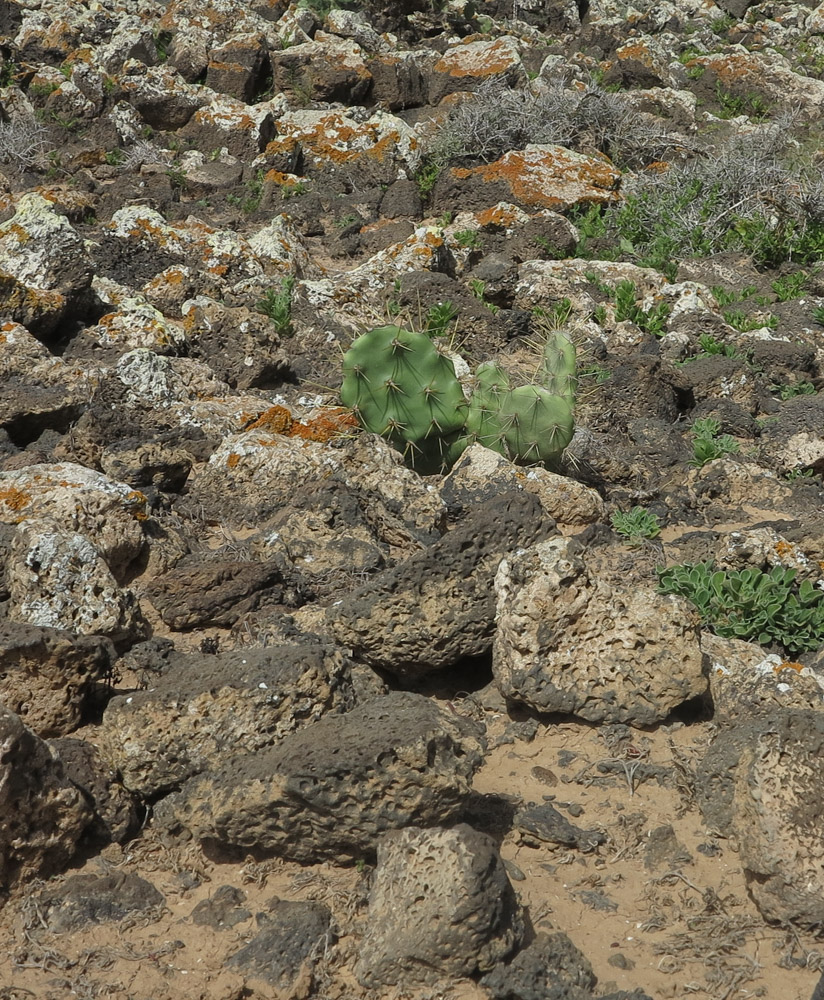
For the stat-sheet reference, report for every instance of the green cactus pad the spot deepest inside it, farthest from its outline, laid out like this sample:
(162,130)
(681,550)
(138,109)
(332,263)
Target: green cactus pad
(537,424)
(558,366)
(400,386)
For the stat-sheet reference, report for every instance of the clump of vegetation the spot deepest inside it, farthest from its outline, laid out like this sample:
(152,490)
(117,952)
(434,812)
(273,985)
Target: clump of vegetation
(750,195)
(625,297)
(500,118)
(277,305)
(22,142)
(751,604)
(707,445)
(403,386)
(635,525)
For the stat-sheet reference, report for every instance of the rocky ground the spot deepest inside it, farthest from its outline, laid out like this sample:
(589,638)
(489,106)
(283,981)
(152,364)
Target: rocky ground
(281,716)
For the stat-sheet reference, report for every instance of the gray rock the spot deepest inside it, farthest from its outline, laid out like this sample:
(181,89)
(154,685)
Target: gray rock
(550,968)
(543,824)
(581,636)
(97,899)
(205,705)
(332,789)
(205,592)
(759,783)
(439,606)
(441,906)
(223,910)
(294,936)
(49,676)
(115,808)
(42,814)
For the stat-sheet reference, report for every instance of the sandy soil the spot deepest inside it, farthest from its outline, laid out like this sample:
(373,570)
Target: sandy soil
(672,917)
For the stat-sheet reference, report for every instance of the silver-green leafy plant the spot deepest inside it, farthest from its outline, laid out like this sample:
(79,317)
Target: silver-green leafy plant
(707,445)
(751,604)
(635,525)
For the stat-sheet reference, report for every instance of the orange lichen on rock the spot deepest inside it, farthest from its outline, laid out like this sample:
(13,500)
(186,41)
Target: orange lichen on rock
(332,423)
(14,499)
(789,665)
(276,419)
(549,177)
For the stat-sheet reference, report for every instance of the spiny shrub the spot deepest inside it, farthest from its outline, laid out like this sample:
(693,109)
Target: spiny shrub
(753,605)
(499,118)
(401,385)
(22,142)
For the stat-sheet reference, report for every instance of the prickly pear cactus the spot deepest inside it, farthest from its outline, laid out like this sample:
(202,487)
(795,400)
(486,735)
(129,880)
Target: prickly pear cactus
(400,386)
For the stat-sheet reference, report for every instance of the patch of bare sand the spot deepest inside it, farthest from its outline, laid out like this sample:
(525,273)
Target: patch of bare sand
(684,928)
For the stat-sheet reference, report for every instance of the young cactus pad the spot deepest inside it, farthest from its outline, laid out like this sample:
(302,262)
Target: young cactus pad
(400,386)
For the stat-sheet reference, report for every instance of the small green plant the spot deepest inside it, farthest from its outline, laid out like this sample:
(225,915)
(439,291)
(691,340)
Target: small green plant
(790,286)
(277,305)
(744,322)
(478,289)
(710,347)
(295,190)
(818,315)
(548,249)
(599,314)
(597,373)
(438,318)
(726,298)
(721,25)
(796,475)
(797,389)
(114,157)
(733,105)
(706,445)
(469,239)
(750,604)
(177,177)
(426,178)
(162,40)
(445,219)
(635,525)
(345,221)
(558,313)
(652,321)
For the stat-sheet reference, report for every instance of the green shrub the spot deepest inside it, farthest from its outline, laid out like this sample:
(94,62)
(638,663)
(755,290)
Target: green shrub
(635,525)
(750,604)
(439,317)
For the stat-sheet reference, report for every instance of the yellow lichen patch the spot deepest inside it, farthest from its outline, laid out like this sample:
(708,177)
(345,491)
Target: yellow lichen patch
(232,460)
(658,166)
(784,548)
(14,499)
(788,665)
(276,419)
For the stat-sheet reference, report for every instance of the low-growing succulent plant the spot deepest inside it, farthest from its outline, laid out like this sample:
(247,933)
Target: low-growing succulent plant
(635,525)
(403,386)
(750,604)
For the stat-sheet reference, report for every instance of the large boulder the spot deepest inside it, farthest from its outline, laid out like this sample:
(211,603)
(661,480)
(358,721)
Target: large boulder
(759,783)
(42,814)
(581,638)
(438,606)
(332,789)
(441,907)
(202,704)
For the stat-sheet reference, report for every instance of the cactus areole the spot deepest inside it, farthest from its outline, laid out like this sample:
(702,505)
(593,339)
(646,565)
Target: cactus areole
(401,386)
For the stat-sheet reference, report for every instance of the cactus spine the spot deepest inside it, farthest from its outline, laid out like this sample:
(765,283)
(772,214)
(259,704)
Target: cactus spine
(400,386)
